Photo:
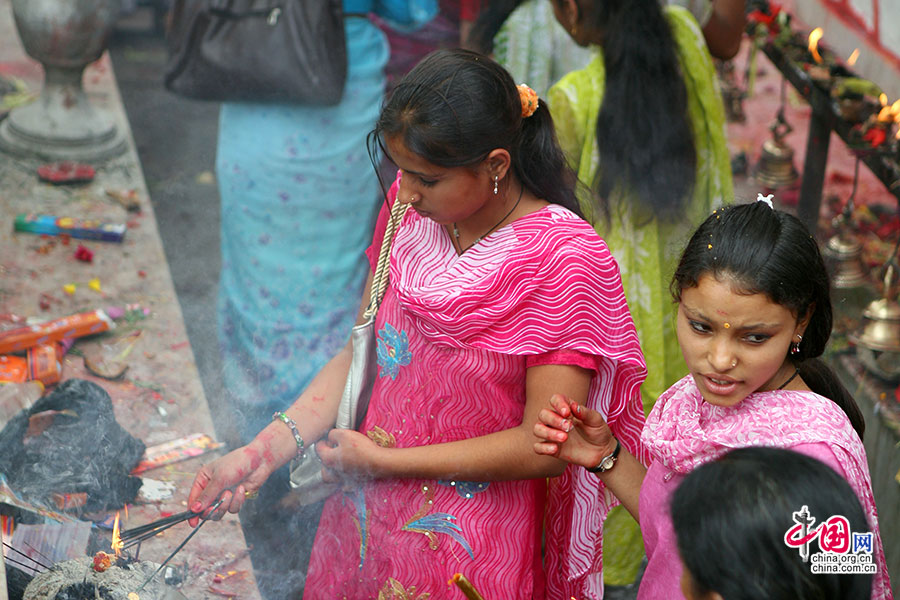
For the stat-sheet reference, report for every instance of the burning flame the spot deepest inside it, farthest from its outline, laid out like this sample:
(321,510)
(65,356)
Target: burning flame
(814,36)
(889,113)
(116,543)
(883,99)
(854,56)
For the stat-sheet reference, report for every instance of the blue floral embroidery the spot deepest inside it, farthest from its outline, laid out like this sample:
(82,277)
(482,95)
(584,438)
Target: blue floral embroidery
(439,523)
(393,351)
(467,489)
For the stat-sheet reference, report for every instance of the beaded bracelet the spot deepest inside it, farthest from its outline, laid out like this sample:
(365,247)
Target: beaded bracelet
(280,416)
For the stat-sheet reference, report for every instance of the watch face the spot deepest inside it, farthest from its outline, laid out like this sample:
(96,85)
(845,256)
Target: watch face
(608,462)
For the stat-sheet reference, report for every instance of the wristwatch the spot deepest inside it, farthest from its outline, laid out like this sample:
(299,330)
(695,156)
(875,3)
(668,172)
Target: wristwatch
(607,462)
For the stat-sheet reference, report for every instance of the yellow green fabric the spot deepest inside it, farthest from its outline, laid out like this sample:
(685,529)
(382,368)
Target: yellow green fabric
(647,249)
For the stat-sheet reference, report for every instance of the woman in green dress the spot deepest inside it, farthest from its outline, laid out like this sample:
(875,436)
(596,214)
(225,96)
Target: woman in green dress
(644,127)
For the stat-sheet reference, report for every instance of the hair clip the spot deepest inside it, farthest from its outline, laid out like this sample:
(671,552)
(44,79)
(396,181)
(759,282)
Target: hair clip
(529,99)
(766,199)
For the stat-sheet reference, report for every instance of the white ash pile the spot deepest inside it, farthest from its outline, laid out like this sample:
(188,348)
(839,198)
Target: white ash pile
(77,580)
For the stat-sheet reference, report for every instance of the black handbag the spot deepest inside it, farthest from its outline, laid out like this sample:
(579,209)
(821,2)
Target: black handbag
(257,50)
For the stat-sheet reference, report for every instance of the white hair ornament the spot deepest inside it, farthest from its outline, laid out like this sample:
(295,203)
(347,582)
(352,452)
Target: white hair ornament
(766,199)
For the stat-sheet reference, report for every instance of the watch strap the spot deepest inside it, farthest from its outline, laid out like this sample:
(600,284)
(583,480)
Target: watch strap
(614,456)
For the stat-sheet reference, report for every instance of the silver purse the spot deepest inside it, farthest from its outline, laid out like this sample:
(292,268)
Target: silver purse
(306,470)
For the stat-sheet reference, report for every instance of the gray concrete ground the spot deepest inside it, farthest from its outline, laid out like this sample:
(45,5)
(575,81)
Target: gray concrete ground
(175,141)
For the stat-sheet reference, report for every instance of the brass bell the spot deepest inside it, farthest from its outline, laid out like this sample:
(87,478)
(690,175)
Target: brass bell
(843,255)
(878,346)
(775,168)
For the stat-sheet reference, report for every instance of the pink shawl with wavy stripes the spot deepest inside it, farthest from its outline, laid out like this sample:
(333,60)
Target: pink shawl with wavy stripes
(683,432)
(545,282)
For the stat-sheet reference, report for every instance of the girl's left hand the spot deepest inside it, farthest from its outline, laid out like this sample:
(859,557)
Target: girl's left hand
(349,454)
(572,432)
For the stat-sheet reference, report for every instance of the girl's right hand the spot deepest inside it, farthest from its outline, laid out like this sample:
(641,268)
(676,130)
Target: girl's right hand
(234,477)
(573,433)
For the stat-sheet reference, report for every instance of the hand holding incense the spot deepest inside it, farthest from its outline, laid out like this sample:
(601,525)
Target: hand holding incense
(182,544)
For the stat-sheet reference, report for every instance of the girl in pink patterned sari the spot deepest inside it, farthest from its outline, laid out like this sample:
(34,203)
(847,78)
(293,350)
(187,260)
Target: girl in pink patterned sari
(499,295)
(754,314)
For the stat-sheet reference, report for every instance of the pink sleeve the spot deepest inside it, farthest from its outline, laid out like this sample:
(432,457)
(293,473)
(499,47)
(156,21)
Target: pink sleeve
(381,223)
(563,357)
(822,452)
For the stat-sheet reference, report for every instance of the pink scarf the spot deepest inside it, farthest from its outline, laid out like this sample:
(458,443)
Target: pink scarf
(542,283)
(684,431)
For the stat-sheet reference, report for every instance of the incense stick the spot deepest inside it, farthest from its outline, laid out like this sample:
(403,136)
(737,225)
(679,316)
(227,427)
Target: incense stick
(181,545)
(39,552)
(15,562)
(134,540)
(17,551)
(465,586)
(159,524)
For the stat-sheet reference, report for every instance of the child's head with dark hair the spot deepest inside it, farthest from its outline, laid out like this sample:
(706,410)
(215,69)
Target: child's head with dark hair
(731,516)
(456,106)
(758,252)
(761,250)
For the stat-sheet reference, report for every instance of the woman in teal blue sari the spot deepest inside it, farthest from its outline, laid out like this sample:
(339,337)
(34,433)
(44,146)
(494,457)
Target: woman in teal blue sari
(298,201)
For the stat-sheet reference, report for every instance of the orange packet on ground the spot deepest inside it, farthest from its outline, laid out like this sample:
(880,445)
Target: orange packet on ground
(13,369)
(44,363)
(73,326)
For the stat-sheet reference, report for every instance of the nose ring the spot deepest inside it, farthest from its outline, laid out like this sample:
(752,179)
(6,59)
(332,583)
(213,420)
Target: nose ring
(734,363)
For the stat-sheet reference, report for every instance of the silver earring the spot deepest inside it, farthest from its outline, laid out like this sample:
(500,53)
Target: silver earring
(795,346)
(496,187)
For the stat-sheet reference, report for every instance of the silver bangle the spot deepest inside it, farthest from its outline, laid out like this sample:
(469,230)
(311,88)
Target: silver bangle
(280,416)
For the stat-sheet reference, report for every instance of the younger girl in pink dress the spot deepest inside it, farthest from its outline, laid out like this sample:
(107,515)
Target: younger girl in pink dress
(754,313)
(500,294)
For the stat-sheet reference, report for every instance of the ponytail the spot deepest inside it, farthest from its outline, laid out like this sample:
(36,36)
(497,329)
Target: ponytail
(644,133)
(822,380)
(540,164)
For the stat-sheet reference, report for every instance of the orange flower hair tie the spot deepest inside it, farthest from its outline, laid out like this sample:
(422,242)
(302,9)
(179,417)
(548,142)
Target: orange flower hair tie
(529,100)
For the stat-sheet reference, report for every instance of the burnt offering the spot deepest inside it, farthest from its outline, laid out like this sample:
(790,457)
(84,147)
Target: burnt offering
(84,590)
(77,579)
